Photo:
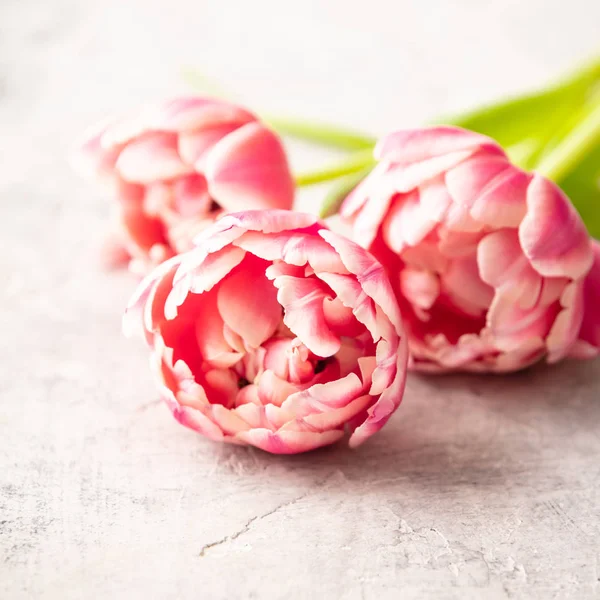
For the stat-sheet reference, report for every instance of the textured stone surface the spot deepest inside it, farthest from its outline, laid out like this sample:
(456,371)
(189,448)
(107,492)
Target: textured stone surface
(478,488)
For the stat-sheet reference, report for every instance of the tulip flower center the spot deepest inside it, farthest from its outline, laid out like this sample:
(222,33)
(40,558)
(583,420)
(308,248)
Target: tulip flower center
(265,332)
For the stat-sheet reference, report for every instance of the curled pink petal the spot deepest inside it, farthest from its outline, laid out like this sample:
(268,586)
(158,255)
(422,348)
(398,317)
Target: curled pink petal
(302,300)
(249,169)
(552,233)
(254,317)
(294,249)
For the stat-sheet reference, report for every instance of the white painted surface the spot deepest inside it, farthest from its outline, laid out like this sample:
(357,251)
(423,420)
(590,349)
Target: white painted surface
(478,488)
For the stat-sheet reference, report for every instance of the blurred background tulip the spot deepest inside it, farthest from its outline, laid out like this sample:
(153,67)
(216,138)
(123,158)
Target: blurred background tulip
(173,168)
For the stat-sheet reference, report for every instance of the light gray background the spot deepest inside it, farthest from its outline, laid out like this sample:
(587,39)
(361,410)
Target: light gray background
(478,488)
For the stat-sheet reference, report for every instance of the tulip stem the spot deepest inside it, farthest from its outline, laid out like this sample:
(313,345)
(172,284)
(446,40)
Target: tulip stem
(319,133)
(357,161)
(583,138)
(339,190)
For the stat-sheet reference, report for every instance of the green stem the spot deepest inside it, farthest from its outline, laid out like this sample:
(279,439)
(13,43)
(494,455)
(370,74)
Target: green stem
(326,135)
(339,190)
(581,140)
(584,77)
(357,161)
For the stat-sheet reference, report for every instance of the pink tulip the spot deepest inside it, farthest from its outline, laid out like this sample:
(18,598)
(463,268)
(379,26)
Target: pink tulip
(274,332)
(176,166)
(489,262)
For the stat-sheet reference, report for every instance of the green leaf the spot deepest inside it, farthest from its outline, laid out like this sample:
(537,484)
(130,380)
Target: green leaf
(324,135)
(582,185)
(355,162)
(533,117)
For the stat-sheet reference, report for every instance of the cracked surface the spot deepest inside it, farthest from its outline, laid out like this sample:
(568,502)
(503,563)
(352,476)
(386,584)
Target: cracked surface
(248,523)
(477,488)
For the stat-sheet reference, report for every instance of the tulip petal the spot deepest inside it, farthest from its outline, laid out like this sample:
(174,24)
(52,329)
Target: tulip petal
(279,268)
(254,316)
(90,158)
(289,442)
(209,334)
(385,369)
(421,288)
(552,234)
(227,420)
(212,270)
(356,199)
(302,300)
(502,264)
(465,288)
(378,414)
(273,221)
(249,169)
(294,248)
(274,390)
(567,324)
(152,157)
(143,231)
(511,325)
(503,201)
(194,112)
(415,145)
(370,274)
(352,295)
(340,318)
(194,145)
(324,397)
(469,180)
(196,420)
(589,333)
(334,419)
(191,196)
(435,199)
(458,244)
(411,176)
(134,318)
(407,223)
(427,256)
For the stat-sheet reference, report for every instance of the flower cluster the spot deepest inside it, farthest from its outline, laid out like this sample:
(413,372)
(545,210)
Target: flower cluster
(268,329)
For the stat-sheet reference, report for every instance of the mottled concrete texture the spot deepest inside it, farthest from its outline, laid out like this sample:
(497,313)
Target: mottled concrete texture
(479,488)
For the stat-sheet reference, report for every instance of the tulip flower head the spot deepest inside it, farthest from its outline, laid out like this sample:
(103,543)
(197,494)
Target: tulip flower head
(492,266)
(175,167)
(275,332)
